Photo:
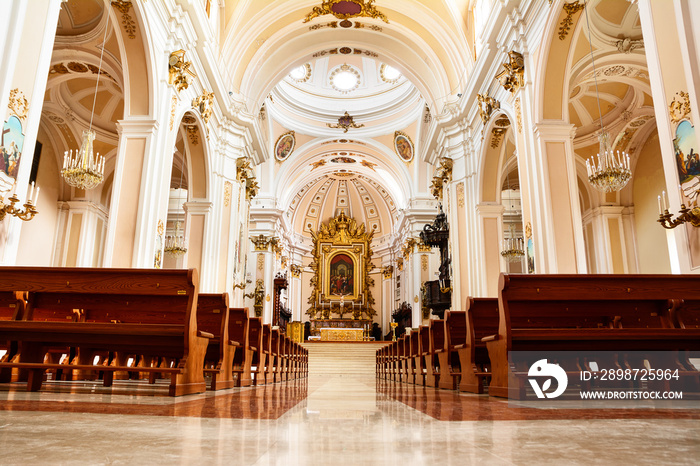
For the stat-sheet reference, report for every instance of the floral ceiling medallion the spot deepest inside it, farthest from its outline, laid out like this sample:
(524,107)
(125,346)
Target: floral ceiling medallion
(344,9)
(345,122)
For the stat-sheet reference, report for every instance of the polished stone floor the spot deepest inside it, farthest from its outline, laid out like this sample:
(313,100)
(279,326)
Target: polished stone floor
(332,420)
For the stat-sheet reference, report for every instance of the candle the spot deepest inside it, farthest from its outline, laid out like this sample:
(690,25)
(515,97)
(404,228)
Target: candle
(36,195)
(680,191)
(663,198)
(660,210)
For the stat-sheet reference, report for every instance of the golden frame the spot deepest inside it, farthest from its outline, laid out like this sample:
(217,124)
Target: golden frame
(341,236)
(326,270)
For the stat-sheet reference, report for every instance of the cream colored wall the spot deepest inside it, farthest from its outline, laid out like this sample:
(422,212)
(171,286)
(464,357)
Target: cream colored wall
(561,207)
(648,183)
(37,240)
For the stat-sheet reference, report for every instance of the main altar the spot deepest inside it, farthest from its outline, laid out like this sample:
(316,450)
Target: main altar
(341,296)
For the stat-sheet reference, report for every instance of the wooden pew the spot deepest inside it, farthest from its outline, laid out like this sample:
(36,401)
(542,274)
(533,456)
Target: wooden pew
(11,308)
(255,338)
(213,317)
(437,343)
(403,358)
(424,354)
(135,311)
(585,313)
(417,356)
(243,357)
(455,332)
(268,368)
(481,320)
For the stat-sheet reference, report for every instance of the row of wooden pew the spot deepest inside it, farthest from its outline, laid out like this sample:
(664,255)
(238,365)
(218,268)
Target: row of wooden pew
(655,315)
(114,323)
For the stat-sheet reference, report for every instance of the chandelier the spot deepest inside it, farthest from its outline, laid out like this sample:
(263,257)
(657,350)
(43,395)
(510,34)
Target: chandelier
(83,170)
(175,244)
(513,248)
(612,172)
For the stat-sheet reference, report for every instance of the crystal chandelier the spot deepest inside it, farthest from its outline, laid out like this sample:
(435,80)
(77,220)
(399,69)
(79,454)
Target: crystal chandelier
(513,248)
(175,244)
(612,172)
(83,170)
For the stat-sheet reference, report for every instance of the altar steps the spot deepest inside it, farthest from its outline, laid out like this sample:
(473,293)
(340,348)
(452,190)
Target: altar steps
(343,359)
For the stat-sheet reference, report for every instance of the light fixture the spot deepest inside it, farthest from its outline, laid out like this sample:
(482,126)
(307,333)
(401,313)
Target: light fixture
(84,170)
(513,247)
(29,207)
(685,214)
(612,171)
(175,244)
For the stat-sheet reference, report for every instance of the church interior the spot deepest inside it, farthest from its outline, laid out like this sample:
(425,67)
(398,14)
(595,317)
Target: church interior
(349,231)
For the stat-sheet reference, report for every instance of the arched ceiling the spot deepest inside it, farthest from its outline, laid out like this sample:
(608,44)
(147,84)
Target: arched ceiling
(623,95)
(79,16)
(427,40)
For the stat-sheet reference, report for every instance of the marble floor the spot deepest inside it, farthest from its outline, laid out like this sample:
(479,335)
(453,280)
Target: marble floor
(326,420)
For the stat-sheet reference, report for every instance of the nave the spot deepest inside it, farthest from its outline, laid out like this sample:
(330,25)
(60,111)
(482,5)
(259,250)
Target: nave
(327,418)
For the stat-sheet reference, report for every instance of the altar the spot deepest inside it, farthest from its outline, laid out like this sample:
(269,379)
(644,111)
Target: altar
(342,334)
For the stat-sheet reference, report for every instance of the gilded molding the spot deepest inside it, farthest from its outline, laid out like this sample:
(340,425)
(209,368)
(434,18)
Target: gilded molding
(679,108)
(519,115)
(173,107)
(315,165)
(18,104)
(512,77)
(571,9)
(424,263)
(227,193)
(296,270)
(460,195)
(178,70)
(366,9)
(127,21)
(399,264)
(193,134)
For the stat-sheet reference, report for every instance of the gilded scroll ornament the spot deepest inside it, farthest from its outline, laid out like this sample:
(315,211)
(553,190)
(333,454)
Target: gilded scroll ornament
(193,134)
(18,104)
(127,21)
(486,106)
(679,109)
(296,270)
(424,263)
(399,264)
(205,104)
(345,122)
(173,106)
(345,9)
(512,77)
(261,242)
(442,175)
(497,134)
(571,9)
(179,69)
(388,271)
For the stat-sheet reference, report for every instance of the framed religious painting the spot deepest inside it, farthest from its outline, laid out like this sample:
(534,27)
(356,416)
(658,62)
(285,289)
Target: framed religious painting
(284,146)
(403,146)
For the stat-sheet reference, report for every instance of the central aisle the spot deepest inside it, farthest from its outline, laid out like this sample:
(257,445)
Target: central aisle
(333,418)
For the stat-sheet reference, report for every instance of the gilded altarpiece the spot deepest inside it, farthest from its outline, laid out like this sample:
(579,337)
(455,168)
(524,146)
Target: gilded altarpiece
(341,295)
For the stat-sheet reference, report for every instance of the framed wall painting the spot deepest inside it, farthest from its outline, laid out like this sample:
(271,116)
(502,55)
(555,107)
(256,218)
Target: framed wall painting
(403,146)
(284,146)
